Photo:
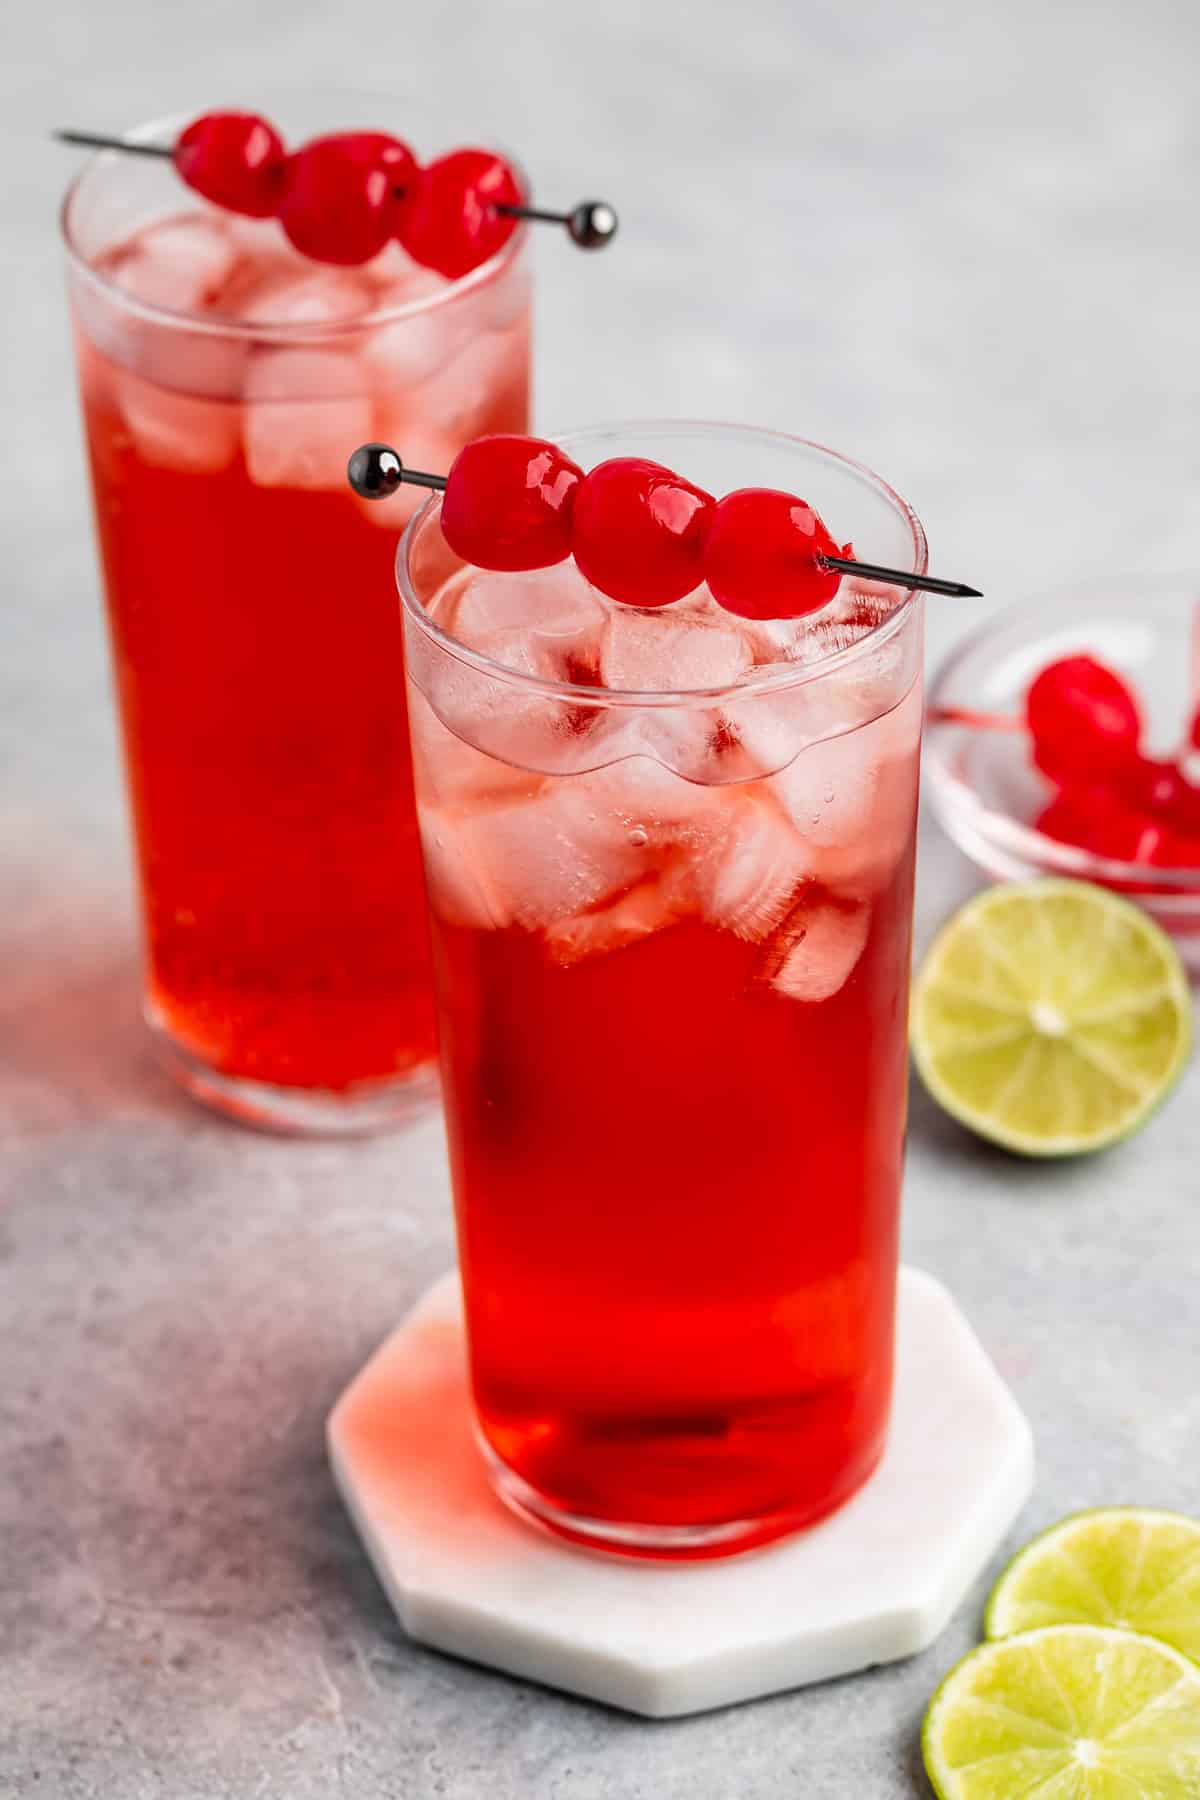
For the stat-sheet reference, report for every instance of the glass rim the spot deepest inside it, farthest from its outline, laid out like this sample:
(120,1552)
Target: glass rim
(279,330)
(779,680)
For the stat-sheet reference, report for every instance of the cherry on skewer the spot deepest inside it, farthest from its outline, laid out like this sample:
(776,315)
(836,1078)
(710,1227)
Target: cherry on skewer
(546,489)
(590,225)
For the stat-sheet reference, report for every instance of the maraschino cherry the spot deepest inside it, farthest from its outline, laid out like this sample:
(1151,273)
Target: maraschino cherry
(763,558)
(509,503)
(1095,819)
(1083,719)
(343,195)
(639,532)
(234,159)
(451,221)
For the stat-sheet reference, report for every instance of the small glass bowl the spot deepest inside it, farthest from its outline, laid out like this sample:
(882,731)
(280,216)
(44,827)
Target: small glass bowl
(984,787)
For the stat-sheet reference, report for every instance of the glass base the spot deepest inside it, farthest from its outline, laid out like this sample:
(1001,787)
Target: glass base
(671,1543)
(361,1111)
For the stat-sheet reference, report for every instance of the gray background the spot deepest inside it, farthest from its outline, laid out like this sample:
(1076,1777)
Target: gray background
(956,240)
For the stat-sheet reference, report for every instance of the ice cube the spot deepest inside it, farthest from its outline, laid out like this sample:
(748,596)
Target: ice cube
(178,431)
(305,296)
(458,886)
(405,353)
(260,242)
(686,740)
(306,412)
(818,950)
(646,797)
(542,860)
(517,650)
(750,869)
(829,790)
(636,915)
(539,731)
(768,729)
(181,264)
(452,774)
(670,651)
(431,397)
(853,799)
(552,618)
(291,376)
(482,384)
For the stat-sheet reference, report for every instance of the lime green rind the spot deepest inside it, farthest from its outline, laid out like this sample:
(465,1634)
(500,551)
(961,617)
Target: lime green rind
(1126,1079)
(1073,1712)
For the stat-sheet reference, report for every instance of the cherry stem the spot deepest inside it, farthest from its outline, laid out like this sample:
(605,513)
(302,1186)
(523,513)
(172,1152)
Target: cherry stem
(978,721)
(928,584)
(94,140)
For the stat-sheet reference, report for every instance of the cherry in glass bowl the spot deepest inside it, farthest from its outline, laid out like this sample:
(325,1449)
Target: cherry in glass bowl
(982,780)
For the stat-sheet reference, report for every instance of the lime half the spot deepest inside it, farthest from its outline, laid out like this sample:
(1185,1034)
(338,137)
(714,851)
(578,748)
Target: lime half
(1119,1565)
(1071,1712)
(1051,1017)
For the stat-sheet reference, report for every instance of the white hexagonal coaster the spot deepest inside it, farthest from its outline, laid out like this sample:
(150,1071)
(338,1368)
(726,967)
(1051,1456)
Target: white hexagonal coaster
(876,1581)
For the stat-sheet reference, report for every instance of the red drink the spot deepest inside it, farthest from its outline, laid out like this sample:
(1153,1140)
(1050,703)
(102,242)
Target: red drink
(258,655)
(672,948)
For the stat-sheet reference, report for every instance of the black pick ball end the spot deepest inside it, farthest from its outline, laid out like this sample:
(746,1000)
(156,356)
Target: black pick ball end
(592,224)
(375,471)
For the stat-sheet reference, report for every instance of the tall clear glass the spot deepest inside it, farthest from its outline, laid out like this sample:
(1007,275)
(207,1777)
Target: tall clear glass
(671,894)
(225,379)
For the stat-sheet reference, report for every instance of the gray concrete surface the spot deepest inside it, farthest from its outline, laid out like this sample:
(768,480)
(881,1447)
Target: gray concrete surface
(957,240)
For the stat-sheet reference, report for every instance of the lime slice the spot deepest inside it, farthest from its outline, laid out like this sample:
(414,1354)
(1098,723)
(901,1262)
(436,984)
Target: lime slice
(1051,1017)
(1071,1712)
(1119,1565)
